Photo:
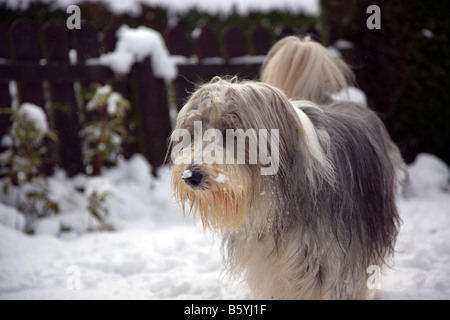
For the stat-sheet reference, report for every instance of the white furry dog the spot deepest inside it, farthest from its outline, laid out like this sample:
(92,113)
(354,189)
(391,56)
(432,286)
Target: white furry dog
(310,227)
(304,69)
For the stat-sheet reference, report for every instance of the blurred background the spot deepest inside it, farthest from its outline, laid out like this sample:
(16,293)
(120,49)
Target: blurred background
(403,67)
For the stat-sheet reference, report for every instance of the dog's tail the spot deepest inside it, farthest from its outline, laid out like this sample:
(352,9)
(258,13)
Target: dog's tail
(304,69)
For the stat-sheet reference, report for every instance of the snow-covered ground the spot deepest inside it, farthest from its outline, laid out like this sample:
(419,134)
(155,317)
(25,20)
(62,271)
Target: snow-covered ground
(157,253)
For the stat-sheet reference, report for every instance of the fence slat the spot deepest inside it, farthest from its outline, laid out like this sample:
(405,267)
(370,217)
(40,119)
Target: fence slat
(66,122)
(234,41)
(207,44)
(5,99)
(25,48)
(183,89)
(207,71)
(153,113)
(122,85)
(4,47)
(85,42)
(110,38)
(284,31)
(260,40)
(178,42)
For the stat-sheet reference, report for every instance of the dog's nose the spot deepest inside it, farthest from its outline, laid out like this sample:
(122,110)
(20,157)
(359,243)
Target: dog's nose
(192,177)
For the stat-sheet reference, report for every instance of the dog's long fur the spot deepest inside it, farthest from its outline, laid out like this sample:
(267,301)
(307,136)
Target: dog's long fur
(304,69)
(311,230)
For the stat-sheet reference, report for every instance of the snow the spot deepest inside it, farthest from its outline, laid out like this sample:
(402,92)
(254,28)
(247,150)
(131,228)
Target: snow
(99,96)
(221,178)
(157,253)
(11,217)
(432,173)
(134,45)
(186,174)
(248,59)
(342,44)
(33,115)
(223,7)
(351,94)
(112,103)
(427,33)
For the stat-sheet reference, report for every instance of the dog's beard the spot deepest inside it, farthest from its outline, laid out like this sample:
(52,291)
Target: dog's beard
(221,197)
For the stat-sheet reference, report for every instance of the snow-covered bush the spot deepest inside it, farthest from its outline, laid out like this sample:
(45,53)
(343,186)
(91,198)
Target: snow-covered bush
(24,185)
(103,137)
(97,190)
(25,142)
(97,207)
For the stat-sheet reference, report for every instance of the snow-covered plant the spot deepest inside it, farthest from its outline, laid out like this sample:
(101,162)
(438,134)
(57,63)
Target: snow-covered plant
(23,161)
(35,201)
(97,192)
(96,206)
(25,156)
(103,136)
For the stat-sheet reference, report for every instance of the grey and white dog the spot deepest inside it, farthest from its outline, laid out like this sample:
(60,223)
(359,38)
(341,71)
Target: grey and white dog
(311,229)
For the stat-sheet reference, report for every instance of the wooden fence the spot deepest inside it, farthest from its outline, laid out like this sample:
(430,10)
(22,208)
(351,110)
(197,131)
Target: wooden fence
(206,47)
(49,83)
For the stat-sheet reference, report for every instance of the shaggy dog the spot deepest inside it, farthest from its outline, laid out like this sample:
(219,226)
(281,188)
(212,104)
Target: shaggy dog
(304,69)
(303,196)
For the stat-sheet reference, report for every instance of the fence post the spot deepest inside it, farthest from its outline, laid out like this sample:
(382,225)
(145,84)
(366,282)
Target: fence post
(64,107)
(178,43)
(207,44)
(121,84)
(86,45)
(25,49)
(261,40)
(150,100)
(5,98)
(235,42)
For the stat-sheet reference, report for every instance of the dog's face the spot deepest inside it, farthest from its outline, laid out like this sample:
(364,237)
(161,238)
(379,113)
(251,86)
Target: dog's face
(226,147)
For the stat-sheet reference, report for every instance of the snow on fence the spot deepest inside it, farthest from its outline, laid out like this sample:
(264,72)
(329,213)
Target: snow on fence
(47,72)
